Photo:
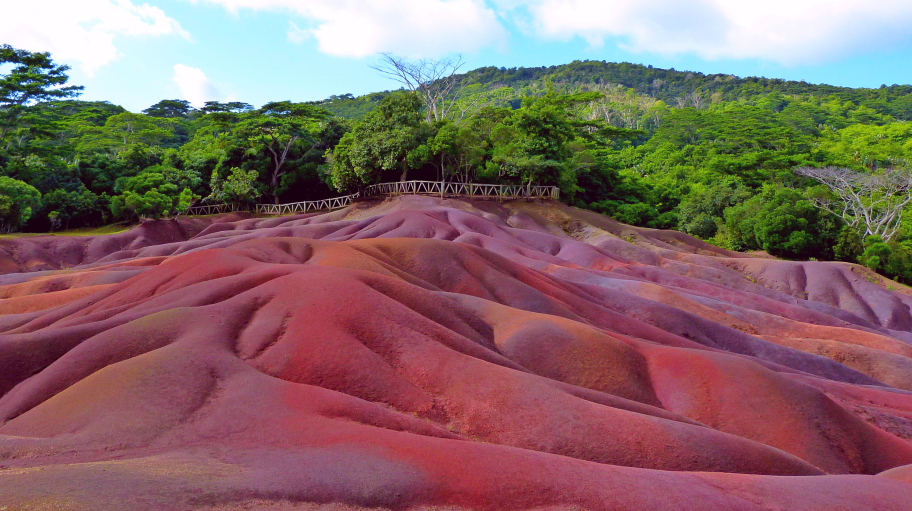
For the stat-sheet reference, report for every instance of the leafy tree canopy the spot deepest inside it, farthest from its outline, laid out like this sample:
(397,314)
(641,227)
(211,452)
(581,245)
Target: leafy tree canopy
(171,108)
(34,78)
(17,200)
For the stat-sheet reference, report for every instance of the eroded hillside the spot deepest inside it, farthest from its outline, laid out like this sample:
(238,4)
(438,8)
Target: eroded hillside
(425,352)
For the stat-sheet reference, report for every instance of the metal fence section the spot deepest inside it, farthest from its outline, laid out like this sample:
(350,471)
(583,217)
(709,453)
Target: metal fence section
(440,188)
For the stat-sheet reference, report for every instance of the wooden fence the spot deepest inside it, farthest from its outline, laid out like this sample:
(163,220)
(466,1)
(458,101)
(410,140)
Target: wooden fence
(438,188)
(304,207)
(215,209)
(446,189)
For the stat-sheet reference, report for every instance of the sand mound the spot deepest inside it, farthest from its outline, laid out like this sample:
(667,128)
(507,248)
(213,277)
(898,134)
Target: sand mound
(426,353)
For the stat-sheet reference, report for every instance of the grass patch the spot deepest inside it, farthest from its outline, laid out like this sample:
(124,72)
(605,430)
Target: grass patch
(81,231)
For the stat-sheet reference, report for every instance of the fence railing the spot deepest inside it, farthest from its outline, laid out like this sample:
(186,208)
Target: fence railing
(464,189)
(215,209)
(304,207)
(441,188)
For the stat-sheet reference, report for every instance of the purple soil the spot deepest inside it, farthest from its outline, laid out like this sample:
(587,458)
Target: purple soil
(425,353)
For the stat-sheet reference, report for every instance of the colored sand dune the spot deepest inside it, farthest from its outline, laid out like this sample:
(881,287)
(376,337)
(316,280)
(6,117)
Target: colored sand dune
(422,353)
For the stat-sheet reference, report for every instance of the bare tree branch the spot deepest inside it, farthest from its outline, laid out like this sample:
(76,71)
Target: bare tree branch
(433,81)
(872,204)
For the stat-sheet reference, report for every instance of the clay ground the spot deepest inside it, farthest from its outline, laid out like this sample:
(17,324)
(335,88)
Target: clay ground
(424,353)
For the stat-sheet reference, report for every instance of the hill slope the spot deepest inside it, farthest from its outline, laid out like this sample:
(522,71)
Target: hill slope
(668,85)
(423,352)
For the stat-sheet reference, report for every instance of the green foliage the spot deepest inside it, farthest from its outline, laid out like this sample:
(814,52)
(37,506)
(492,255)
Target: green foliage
(533,143)
(876,254)
(348,106)
(120,133)
(701,212)
(635,213)
(848,246)
(171,108)
(892,259)
(17,200)
(633,94)
(34,78)
(239,187)
(65,210)
(148,195)
(459,151)
(870,146)
(782,222)
(389,141)
(285,131)
(235,107)
(899,264)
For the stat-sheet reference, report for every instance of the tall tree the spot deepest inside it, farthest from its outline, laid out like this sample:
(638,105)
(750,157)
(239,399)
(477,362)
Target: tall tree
(533,144)
(120,132)
(235,107)
(286,131)
(34,78)
(434,81)
(170,108)
(388,142)
(872,203)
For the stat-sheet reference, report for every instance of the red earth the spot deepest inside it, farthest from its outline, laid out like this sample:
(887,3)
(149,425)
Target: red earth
(425,353)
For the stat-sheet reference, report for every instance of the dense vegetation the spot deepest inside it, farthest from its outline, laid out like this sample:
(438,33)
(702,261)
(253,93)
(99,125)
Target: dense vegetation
(712,155)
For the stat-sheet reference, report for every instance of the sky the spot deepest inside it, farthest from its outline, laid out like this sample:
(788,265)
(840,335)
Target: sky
(134,53)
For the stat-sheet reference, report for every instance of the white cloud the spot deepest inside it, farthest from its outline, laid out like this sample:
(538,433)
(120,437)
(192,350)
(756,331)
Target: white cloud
(297,34)
(413,28)
(790,32)
(81,31)
(195,87)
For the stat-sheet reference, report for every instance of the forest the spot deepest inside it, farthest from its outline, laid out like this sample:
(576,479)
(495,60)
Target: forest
(714,156)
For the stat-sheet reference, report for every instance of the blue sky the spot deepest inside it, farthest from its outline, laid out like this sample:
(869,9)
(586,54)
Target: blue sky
(134,54)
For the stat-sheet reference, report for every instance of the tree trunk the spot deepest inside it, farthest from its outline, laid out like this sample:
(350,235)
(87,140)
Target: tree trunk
(275,186)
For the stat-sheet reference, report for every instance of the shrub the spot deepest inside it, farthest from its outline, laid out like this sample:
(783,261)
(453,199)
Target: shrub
(848,245)
(17,200)
(150,195)
(700,213)
(782,222)
(876,254)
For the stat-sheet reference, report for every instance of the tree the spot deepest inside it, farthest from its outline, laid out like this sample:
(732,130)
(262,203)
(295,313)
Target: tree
(432,81)
(782,222)
(533,143)
(458,150)
(148,194)
(34,78)
(281,128)
(235,107)
(73,209)
(390,140)
(848,245)
(702,209)
(17,201)
(876,254)
(870,146)
(170,108)
(239,187)
(872,203)
(120,132)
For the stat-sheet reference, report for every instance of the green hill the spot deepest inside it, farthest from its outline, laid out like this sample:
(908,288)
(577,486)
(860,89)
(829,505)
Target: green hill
(675,88)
